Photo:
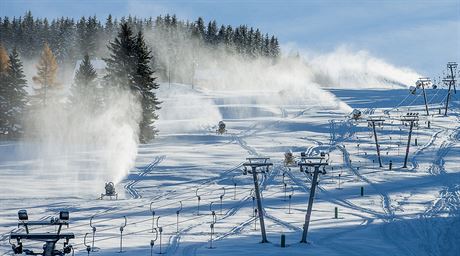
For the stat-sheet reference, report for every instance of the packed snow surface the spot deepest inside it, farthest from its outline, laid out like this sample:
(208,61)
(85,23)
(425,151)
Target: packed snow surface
(412,211)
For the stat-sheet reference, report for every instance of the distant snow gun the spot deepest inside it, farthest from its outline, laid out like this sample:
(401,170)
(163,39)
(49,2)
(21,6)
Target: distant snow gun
(221,128)
(356,114)
(289,159)
(110,191)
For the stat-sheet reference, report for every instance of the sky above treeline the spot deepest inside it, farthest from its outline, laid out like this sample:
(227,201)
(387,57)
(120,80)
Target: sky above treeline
(419,34)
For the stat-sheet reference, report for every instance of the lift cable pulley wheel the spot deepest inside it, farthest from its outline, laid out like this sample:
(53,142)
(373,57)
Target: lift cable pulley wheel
(160,230)
(122,227)
(198,199)
(152,242)
(93,228)
(153,215)
(221,197)
(177,216)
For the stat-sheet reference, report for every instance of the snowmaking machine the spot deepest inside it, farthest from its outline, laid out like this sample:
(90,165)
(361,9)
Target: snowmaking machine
(221,128)
(289,159)
(49,238)
(110,191)
(356,114)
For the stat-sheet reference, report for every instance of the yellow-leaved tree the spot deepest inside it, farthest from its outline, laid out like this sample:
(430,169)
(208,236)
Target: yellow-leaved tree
(46,76)
(4,60)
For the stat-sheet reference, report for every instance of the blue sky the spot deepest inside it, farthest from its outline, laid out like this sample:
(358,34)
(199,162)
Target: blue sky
(422,35)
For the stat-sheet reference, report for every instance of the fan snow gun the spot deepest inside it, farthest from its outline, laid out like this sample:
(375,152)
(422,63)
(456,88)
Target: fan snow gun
(110,191)
(221,128)
(356,114)
(289,159)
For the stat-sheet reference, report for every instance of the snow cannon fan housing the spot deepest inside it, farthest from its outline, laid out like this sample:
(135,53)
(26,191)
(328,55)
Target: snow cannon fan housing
(109,189)
(289,158)
(22,215)
(221,128)
(356,114)
(64,215)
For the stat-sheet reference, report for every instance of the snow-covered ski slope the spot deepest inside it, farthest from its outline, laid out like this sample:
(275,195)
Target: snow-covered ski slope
(413,211)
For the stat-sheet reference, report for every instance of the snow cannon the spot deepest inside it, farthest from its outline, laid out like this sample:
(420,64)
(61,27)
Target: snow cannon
(110,191)
(221,128)
(289,158)
(356,114)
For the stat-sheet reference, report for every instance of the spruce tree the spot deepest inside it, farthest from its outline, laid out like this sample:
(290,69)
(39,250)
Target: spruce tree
(84,93)
(211,33)
(121,64)
(274,47)
(144,79)
(128,67)
(16,95)
(46,76)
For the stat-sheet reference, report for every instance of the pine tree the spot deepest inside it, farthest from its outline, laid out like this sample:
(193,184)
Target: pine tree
(46,76)
(198,31)
(266,46)
(84,93)
(211,33)
(274,47)
(145,81)
(129,67)
(16,95)
(121,64)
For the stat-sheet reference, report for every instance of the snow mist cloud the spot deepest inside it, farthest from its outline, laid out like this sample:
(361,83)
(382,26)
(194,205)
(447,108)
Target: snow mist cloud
(77,150)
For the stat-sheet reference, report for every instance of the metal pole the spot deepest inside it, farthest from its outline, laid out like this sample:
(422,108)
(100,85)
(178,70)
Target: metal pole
(376,143)
(259,205)
(310,204)
(447,100)
(408,144)
(424,97)
(450,86)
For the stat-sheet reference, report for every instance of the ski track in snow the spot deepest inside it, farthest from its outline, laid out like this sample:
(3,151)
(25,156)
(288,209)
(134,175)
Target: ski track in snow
(130,187)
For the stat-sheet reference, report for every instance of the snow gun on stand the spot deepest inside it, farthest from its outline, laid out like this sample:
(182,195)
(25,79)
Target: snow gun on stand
(289,159)
(110,191)
(221,128)
(356,114)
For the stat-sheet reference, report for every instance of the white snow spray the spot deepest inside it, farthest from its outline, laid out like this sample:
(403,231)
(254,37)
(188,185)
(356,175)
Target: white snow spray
(75,152)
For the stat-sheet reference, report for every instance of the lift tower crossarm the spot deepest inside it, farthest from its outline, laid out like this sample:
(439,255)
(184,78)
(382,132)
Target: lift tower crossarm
(315,162)
(411,118)
(372,121)
(262,163)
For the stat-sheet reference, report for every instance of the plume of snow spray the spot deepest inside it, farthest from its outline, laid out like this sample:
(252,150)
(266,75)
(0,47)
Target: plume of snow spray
(77,151)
